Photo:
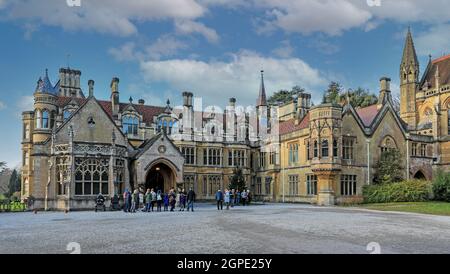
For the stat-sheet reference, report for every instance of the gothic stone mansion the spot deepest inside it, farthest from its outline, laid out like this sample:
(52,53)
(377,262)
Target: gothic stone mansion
(75,147)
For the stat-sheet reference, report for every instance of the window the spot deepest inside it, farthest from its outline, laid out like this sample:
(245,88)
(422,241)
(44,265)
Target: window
(188,181)
(67,113)
(311,185)
(325,148)
(214,183)
(258,186)
(388,144)
(293,153)
(414,149)
(335,148)
(38,119)
(423,150)
(45,119)
(348,185)
(347,148)
(130,125)
(26,131)
(308,151)
(205,185)
(212,156)
(262,159)
(267,186)
(26,158)
(293,184)
(316,150)
(237,158)
(272,158)
(189,155)
(91,176)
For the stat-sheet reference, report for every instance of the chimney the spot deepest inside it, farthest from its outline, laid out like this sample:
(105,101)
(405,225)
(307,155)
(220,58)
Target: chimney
(141,102)
(91,88)
(385,91)
(187,99)
(115,96)
(232,102)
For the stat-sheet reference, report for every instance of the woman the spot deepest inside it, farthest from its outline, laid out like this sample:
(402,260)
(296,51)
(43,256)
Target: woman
(166,202)
(177,199)
(172,199)
(227,198)
(148,199)
(182,200)
(158,201)
(134,201)
(141,200)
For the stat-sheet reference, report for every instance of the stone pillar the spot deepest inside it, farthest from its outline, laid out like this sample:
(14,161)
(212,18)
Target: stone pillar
(326,187)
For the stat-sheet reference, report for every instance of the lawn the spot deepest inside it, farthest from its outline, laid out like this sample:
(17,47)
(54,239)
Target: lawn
(434,208)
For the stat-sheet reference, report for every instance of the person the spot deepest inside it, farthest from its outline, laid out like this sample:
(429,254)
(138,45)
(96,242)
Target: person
(148,199)
(237,201)
(249,197)
(141,200)
(126,195)
(134,201)
(232,197)
(219,199)
(177,199)
(166,202)
(182,200)
(153,198)
(227,198)
(100,201)
(191,199)
(158,201)
(172,199)
(130,200)
(244,197)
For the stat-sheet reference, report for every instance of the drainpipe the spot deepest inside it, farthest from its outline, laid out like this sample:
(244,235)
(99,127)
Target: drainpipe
(368,161)
(281,159)
(407,157)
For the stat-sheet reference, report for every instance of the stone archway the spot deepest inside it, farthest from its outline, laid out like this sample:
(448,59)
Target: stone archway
(160,176)
(419,175)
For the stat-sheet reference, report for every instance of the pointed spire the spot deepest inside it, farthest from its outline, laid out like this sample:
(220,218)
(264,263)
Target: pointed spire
(131,100)
(409,51)
(168,108)
(262,101)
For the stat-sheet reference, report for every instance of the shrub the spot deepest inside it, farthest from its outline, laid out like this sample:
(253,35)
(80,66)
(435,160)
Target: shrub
(441,186)
(404,191)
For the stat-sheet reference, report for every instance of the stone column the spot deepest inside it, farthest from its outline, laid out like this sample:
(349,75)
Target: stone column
(326,187)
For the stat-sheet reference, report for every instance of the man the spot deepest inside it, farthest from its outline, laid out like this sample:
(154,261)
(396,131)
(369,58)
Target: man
(219,199)
(153,194)
(190,199)
(126,195)
(244,197)
(227,198)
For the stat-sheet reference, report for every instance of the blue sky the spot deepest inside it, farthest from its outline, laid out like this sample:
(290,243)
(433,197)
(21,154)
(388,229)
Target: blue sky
(214,49)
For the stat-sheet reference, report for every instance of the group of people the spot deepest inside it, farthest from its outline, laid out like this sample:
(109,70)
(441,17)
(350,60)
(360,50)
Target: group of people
(146,202)
(232,197)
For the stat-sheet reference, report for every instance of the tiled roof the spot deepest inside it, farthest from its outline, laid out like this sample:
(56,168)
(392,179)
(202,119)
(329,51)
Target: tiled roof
(289,126)
(444,71)
(367,114)
(147,112)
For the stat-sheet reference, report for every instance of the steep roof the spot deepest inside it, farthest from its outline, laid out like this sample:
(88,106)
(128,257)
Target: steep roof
(289,126)
(262,101)
(45,86)
(367,114)
(443,64)
(409,51)
(147,112)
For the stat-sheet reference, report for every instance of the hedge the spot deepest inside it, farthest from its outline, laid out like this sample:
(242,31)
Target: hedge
(405,191)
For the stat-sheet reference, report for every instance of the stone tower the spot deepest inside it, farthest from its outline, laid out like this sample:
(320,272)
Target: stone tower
(409,80)
(69,83)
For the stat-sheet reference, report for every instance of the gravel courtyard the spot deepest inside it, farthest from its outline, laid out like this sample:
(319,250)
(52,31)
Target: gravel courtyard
(271,228)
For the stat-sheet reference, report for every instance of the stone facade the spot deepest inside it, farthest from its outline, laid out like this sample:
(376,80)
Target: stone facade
(75,147)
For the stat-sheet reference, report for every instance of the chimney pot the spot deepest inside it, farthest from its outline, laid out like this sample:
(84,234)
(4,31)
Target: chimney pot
(141,101)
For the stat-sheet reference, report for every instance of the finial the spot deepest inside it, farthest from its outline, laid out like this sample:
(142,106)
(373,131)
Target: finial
(46,72)
(262,73)
(131,100)
(429,56)
(168,102)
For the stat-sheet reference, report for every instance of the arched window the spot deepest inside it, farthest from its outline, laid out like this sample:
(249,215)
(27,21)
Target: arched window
(130,125)
(335,148)
(316,150)
(213,130)
(325,148)
(67,114)
(388,144)
(45,119)
(38,118)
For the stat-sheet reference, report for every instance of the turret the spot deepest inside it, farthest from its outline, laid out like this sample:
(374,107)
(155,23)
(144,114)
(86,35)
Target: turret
(45,108)
(409,78)
(69,83)
(115,105)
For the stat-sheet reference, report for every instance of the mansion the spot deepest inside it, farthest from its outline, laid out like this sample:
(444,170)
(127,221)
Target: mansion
(76,146)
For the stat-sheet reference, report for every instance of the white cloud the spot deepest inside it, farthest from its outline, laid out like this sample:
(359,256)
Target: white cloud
(285,50)
(239,77)
(434,41)
(116,17)
(2,105)
(190,27)
(127,52)
(25,103)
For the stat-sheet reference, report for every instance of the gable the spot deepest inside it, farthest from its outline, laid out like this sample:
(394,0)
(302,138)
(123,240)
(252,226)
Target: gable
(98,132)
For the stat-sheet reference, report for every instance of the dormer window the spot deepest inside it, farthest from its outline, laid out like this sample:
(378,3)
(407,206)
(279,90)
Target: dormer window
(130,125)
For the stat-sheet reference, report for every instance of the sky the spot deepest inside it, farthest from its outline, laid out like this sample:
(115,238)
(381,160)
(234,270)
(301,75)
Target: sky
(213,48)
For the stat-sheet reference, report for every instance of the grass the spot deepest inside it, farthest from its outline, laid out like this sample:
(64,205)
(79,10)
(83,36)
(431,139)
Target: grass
(433,208)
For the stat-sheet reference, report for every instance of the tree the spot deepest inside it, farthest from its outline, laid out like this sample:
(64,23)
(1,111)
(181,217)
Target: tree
(284,96)
(332,94)
(389,167)
(14,183)
(238,179)
(359,97)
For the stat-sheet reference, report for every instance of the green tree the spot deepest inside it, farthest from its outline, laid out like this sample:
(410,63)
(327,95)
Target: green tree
(284,96)
(441,186)
(238,179)
(14,183)
(332,94)
(359,97)
(389,167)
